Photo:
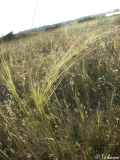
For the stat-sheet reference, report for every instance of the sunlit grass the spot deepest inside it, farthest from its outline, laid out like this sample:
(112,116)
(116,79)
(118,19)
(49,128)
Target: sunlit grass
(59,96)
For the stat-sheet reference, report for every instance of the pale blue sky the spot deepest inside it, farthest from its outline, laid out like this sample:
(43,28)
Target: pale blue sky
(17,15)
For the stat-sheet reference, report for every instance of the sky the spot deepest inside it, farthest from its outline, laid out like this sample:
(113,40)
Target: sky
(19,15)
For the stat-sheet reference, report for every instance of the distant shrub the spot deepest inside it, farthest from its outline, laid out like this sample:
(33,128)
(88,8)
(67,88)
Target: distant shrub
(86,19)
(53,27)
(8,37)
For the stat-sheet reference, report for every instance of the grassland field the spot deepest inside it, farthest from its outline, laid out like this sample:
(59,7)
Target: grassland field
(60,93)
